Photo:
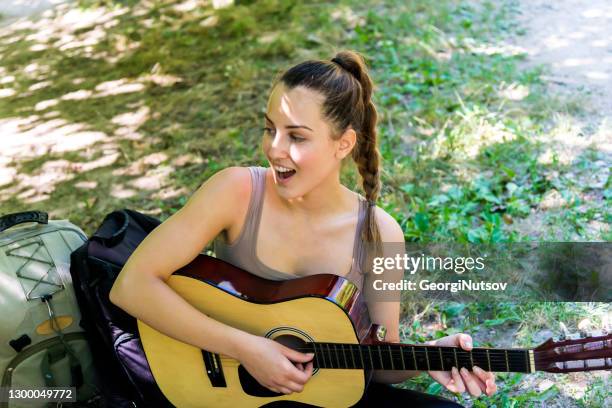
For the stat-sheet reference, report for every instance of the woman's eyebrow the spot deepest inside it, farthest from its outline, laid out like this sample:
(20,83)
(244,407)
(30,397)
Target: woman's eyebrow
(289,126)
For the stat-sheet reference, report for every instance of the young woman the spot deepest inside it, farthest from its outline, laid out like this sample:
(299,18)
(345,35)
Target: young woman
(292,219)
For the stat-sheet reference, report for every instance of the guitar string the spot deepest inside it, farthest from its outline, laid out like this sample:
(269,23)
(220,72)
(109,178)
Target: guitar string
(421,349)
(460,352)
(494,355)
(502,365)
(489,363)
(229,362)
(449,350)
(396,356)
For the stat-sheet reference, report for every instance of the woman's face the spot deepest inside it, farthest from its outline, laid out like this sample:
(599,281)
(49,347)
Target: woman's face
(297,141)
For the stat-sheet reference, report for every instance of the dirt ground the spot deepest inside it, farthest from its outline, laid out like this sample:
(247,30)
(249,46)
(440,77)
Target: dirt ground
(11,10)
(572,39)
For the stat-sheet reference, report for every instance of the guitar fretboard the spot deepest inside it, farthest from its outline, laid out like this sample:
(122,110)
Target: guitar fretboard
(421,358)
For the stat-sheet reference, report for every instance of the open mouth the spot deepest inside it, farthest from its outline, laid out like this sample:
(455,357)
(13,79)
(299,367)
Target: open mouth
(285,174)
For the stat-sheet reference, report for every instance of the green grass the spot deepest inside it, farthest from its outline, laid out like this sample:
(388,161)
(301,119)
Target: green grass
(462,162)
(438,95)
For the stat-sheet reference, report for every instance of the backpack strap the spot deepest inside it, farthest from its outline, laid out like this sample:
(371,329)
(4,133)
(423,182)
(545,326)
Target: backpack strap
(117,224)
(10,220)
(113,229)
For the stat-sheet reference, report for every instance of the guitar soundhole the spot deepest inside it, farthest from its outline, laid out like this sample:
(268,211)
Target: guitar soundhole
(291,341)
(250,385)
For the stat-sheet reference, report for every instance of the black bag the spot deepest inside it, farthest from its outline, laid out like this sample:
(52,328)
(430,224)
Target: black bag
(125,374)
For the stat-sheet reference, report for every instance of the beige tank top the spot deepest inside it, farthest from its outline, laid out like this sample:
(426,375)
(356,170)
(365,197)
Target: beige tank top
(242,252)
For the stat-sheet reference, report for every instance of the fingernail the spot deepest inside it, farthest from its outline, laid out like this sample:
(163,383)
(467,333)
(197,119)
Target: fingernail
(468,343)
(476,368)
(464,371)
(454,370)
(310,354)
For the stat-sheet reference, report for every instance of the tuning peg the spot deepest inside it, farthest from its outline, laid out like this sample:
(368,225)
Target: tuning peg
(564,332)
(584,334)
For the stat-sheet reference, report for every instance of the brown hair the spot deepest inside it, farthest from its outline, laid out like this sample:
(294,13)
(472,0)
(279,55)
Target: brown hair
(347,88)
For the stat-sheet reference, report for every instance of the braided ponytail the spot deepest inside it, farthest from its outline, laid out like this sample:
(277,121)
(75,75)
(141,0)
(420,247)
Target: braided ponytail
(365,153)
(347,87)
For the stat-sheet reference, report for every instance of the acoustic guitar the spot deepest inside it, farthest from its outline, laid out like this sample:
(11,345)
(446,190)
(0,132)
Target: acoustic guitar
(326,315)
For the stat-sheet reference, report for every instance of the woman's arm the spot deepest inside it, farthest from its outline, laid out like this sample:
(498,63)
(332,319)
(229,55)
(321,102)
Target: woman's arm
(141,289)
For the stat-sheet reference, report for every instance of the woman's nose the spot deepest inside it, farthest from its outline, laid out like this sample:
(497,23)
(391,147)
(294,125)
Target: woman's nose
(279,146)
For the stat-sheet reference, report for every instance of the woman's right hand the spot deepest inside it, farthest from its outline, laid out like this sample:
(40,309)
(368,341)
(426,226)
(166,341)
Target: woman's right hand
(279,368)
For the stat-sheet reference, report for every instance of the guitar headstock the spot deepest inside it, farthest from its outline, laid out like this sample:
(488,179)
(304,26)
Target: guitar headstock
(578,352)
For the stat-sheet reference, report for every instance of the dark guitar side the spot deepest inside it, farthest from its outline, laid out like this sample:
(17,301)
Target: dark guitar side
(258,290)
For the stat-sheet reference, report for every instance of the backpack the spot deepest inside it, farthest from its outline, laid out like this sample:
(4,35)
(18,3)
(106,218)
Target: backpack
(127,380)
(41,341)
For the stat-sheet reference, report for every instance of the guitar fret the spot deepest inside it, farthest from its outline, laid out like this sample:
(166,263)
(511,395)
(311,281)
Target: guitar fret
(526,362)
(402,357)
(391,357)
(322,353)
(488,359)
(427,359)
(361,355)
(315,359)
(336,353)
(456,361)
(371,359)
(471,359)
(353,356)
(416,366)
(382,366)
(329,354)
(507,362)
(344,356)
(441,359)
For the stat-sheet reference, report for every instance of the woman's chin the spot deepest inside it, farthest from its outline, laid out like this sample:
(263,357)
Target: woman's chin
(286,193)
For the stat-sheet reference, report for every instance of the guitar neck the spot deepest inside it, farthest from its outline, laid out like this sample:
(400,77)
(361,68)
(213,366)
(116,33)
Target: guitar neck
(419,358)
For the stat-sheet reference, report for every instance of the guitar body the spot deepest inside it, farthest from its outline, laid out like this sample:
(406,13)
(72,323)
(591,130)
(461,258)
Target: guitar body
(332,312)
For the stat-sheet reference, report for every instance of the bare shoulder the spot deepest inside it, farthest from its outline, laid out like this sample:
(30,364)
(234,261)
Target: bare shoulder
(233,180)
(222,196)
(390,230)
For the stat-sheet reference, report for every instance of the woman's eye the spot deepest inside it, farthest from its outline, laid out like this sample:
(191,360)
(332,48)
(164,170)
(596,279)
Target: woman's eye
(293,137)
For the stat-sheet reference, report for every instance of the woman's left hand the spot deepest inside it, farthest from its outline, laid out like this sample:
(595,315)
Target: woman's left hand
(475,382)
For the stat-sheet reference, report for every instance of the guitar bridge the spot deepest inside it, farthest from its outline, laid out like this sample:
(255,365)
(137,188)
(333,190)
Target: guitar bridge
(212,362)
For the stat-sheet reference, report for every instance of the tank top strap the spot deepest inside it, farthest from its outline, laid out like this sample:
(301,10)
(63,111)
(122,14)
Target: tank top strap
(255,203)
(358,267)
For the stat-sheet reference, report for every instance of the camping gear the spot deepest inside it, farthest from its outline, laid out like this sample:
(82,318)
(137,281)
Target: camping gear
(41,341)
